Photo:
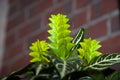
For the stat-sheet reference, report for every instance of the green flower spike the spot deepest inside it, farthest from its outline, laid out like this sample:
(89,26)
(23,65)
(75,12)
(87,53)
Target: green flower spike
(39,51)
(88,50)
(59,36)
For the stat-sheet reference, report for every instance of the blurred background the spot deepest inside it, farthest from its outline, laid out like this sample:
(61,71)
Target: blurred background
(24,21)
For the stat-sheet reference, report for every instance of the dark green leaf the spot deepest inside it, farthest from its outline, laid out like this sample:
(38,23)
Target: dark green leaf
(78,38)
(86,78)
(28,68)
(104,61)
(96,75)
(114,76)
(40,67)
(67,66)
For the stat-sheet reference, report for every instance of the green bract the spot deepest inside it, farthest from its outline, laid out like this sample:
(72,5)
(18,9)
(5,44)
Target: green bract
(88,49)
(39,51)
(59,36)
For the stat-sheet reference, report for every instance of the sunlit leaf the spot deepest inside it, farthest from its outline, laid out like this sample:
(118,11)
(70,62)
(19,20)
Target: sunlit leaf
(39,51)
(59,36)
(88,50)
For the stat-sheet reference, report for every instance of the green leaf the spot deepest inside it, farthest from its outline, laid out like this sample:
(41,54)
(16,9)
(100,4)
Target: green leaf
(28,68)
(40,67)
(78,38)
(88,50)
(59,36)
(39,51)
(46,72)
(96,75)
(86,78)
(68,66)
(114,76)
(103,62)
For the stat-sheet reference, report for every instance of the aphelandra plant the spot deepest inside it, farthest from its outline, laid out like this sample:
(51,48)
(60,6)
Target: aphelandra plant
(67,58)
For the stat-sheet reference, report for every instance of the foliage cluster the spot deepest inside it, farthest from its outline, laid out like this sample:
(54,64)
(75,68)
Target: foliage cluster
(67,58)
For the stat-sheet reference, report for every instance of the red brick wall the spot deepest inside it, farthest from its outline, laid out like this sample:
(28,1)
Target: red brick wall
(28,20)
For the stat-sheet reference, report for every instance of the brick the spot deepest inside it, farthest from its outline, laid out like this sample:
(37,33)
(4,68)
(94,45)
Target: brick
(48,15)
(26,3)
(10,53)
(20,63)
(115,24)
(111,45)
(20,5)
(65,8)
(80,4)
(10,39)
(11,1)
(42,35)
(39,8)
(29,28)
(103,7)
(68,6)
(59,1)
(17,20)
(108,6)
(98,30)
(78,20)
(28,43)
(59,9)
(56,10)
(5,70)
(12,9)
(10,25)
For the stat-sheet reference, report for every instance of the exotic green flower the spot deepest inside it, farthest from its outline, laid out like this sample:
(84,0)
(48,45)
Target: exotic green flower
(88,50)
(39,51)
(59,36)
